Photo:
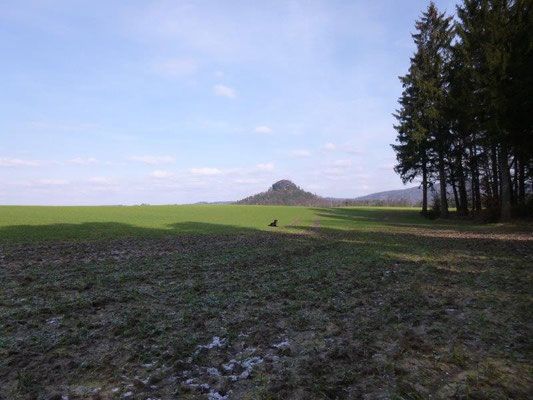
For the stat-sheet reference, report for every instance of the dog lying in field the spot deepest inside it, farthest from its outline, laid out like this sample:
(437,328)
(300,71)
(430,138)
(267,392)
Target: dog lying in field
(274,223)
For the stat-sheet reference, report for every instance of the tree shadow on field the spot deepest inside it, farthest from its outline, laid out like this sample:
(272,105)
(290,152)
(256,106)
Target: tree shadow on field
(100,231)
(411,218)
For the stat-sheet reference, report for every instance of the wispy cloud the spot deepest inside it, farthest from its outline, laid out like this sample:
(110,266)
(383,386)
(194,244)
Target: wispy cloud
(224,91)
(206,171)
(341,163)
(53,182)
(100,180)
(264,130)
(152,160)
(352,149)
(329,147)
(83,161)
(249,181)
(265,167)
(17,162)
(161,174)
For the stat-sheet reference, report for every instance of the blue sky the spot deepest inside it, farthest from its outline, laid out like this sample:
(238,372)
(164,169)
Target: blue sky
(182,101)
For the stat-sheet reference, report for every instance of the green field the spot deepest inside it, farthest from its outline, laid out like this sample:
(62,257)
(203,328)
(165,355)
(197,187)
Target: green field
(96,223)
(201,302)
(34,223)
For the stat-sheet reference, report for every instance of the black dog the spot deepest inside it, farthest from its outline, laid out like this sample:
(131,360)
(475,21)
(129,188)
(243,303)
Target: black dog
(275,223)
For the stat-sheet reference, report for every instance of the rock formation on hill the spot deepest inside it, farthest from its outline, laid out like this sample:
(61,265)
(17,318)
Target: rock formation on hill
(285,193)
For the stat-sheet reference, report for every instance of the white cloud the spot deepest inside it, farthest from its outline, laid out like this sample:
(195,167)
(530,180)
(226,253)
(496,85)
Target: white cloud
(248,180)
(102,180)
(341,163)
(350,148)
(175,68)
(153,160)
(224,91)
(205,171)
(334,171)
(219,74)
(264,130)
(329,147)
(300,153)
(265,167)
(161,174)
(83,161)
(53,182)
(17,162)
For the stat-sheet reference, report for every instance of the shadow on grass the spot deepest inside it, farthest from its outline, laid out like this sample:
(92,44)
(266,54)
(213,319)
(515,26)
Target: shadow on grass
(375,242)
(410,218)
(333,221)
(101,231)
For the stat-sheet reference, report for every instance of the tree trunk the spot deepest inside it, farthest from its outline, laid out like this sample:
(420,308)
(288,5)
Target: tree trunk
(456,198)
(488,182)
(454,188)
(494,164)
(463,199)
(521,182)
(424,187)
(442,178)
(474,166)
(473,191)
(505,184)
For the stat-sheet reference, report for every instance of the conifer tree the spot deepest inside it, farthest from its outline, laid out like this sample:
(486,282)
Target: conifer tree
(466,110)
(423,103)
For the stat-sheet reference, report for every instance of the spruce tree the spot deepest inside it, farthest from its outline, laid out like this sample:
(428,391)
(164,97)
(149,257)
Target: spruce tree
(485,34)
(423,102)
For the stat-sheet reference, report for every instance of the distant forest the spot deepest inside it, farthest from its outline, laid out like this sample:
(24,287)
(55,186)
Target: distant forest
(465,119)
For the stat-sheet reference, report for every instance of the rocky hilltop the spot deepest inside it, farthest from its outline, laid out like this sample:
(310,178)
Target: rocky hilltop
(284,193)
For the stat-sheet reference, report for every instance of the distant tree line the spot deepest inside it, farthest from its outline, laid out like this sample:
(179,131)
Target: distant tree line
(466,111)
(374,203)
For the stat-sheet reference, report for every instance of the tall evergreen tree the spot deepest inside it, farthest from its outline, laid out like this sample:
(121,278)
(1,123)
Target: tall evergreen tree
(484,33)
(422,122)
(466,110)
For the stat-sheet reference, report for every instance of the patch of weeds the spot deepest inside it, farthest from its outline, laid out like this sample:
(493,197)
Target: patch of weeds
(459,356)
(28,384)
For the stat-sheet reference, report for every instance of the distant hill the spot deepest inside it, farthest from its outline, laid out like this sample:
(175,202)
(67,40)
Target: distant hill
(285,193)
(411,196)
